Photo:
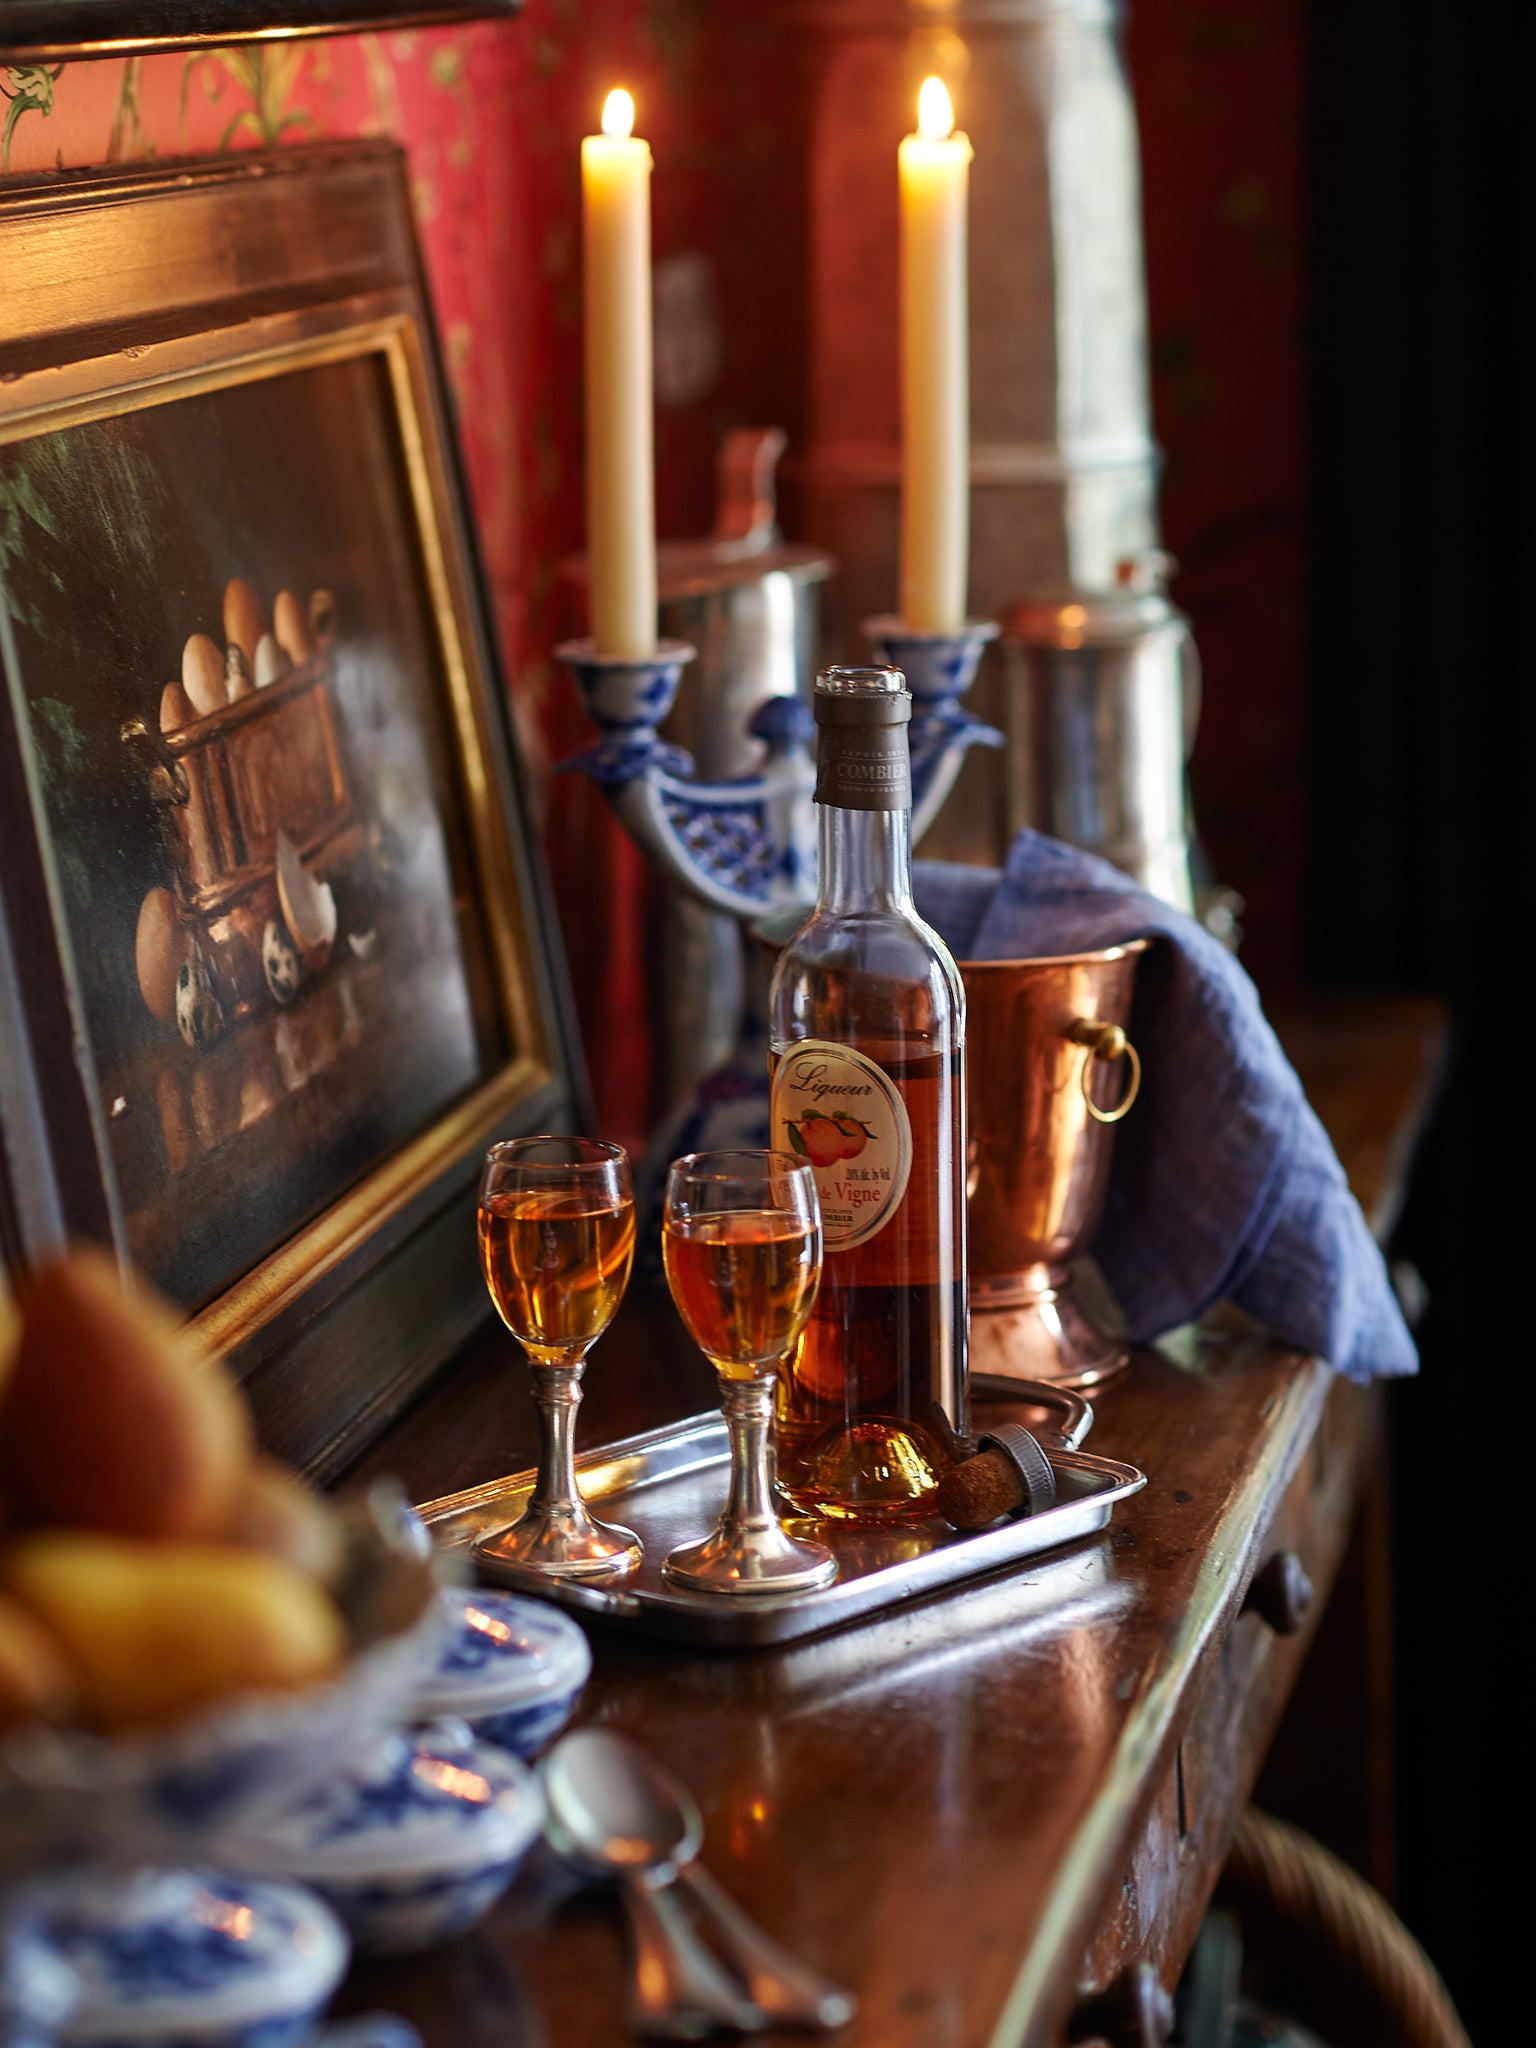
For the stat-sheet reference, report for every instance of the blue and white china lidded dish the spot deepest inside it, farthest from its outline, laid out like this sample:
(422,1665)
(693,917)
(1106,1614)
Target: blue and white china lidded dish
(512,1668)
(412,1842)
(187,1959)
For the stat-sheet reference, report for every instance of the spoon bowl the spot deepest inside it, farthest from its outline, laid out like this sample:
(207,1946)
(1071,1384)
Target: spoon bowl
(607,1813)
(614,1811)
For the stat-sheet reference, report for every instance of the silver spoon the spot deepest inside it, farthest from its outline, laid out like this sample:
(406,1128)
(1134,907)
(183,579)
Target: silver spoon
(678,1991)
(626,1797)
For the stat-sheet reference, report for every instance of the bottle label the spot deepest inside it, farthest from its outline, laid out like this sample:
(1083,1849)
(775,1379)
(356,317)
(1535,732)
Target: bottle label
(836,1108)
(863,768)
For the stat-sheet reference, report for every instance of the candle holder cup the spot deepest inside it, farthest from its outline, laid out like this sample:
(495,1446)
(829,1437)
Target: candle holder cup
(744,844)
(939,667)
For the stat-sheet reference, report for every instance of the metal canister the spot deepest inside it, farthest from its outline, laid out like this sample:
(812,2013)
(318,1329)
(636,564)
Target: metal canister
(750,602)
(1103,697)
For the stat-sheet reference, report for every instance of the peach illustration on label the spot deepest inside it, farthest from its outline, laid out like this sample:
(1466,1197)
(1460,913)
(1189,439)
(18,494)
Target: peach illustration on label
(824,1140)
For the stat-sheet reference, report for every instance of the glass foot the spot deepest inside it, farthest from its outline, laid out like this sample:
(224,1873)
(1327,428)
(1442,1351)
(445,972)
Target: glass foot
(751,1561)
(565,1546)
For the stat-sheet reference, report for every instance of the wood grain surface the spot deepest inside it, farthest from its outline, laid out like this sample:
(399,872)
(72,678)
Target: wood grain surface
(981,1807)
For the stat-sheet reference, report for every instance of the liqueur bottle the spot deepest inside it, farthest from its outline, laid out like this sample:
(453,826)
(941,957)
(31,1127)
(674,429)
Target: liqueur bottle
(867,1033)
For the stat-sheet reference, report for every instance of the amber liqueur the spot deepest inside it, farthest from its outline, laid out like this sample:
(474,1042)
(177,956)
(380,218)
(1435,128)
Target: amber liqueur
(867,1032)
(556,1263)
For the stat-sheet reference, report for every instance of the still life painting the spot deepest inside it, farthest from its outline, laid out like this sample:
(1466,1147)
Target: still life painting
(224,652)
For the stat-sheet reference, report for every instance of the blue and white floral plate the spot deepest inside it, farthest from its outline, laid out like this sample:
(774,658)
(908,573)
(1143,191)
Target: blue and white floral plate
(512,1668)
(412,1842)
(188,1959)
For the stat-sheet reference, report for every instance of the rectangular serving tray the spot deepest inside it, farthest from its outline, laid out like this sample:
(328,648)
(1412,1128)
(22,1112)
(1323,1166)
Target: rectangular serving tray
(669,1487)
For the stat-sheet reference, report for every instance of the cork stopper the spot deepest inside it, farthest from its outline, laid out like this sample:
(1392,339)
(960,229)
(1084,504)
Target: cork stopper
(979,1491)
(1009,1475)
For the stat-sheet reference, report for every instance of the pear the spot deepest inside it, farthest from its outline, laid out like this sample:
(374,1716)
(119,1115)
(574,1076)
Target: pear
(34,1679)
(153,1631)
(273,1510)
(10,1332)
(113,1419)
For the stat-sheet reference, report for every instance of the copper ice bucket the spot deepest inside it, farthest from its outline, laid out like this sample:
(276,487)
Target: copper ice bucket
(1050,1071)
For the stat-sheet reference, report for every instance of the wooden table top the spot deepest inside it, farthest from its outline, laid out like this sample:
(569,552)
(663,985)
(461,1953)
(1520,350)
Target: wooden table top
(934,1807)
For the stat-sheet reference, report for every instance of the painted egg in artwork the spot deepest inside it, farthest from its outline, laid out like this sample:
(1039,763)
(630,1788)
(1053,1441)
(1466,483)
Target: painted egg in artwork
(280,962)
(175,708)
(237,672)
(271,662)
(158,946)
(242,618)
(291,626)
(199,1014)
(202,674)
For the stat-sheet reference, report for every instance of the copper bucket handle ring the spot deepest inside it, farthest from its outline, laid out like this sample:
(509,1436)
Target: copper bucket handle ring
(1105,1042)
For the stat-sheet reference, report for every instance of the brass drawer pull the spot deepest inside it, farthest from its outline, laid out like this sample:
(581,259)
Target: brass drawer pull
(1134,2010)
(1281,1593)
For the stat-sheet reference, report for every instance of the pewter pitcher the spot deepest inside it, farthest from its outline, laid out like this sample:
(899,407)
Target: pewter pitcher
(1103,695)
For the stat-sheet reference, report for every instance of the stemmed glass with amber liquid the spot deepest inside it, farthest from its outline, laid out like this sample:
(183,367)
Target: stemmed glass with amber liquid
(741,1237)
(557,1241)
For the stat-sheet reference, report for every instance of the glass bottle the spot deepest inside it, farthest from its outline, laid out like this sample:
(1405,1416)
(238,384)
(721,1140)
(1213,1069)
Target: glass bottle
(867,1034)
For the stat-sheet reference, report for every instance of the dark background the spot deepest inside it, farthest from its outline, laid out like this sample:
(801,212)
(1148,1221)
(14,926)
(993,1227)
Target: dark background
(1416,365)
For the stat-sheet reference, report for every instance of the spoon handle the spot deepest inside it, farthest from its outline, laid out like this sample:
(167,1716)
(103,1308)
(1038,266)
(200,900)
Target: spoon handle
(678,1991)
(789,1992)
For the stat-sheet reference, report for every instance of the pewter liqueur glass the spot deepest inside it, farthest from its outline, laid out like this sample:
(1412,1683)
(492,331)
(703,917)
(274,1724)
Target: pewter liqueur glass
(557,1240)
(742,1241)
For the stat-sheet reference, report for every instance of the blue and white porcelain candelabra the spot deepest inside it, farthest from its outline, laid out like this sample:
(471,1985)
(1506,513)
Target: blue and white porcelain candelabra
(747,845)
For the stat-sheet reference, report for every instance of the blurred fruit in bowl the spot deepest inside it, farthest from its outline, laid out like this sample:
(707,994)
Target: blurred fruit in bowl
(111,1418)
(151,1631)
(34,1680)
(272,1510)
(186,1628)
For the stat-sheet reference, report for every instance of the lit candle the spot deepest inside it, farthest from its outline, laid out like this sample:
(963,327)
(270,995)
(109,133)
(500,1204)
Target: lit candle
(934,167)
(621,491)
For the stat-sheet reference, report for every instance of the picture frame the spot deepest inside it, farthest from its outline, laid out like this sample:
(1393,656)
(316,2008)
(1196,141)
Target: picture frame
(343,978)
(48,31)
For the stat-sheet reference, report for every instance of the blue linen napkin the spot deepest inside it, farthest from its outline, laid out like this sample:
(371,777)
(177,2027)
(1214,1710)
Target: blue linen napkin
(1223,1185)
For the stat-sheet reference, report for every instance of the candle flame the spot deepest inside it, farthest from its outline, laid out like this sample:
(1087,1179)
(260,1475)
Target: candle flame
(935,115)
(618,113)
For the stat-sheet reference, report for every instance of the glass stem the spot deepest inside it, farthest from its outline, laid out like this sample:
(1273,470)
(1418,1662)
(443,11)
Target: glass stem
(748,1408)
(557,1391)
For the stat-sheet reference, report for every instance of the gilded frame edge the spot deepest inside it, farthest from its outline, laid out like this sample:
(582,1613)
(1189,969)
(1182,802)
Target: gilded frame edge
(64,31)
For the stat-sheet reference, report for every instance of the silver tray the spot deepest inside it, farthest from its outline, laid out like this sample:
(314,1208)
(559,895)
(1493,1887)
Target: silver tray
(669,1487)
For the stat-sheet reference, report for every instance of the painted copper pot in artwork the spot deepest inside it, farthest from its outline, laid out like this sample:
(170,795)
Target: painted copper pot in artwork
(1050,1072)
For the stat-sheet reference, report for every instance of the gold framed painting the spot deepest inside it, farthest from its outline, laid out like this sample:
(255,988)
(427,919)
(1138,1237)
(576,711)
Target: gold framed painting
(276,961)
